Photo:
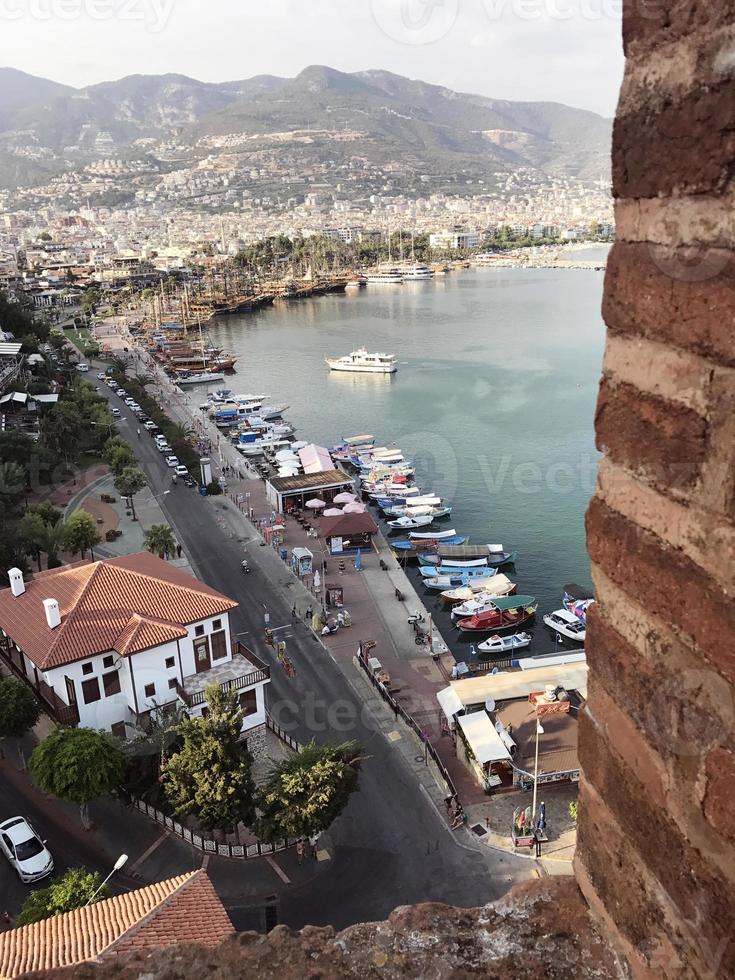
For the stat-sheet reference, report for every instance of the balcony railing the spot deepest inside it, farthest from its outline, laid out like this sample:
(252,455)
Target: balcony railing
(64,714)
(261,673)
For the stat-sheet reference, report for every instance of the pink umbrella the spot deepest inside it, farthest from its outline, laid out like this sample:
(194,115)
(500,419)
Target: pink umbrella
(315,504)
(332,512)
(355,508)
(345,498)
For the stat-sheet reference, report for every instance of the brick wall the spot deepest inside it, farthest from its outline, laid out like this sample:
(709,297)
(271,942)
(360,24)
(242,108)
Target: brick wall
(656,855)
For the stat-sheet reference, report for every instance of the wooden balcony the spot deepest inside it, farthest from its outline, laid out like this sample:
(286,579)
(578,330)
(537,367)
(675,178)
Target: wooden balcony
(63,714)
(243,671)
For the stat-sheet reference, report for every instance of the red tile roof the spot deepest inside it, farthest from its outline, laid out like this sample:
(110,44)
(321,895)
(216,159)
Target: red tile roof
(184,909)
(126,604)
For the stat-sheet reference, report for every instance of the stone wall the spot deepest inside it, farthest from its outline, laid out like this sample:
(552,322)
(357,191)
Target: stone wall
(656,855)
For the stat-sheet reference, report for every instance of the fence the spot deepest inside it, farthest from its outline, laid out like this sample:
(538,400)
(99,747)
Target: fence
(242,851)
(283,735)
(414,725)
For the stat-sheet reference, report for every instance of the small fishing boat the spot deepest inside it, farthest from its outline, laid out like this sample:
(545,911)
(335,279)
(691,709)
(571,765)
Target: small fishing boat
(566,624)
(493,554)
(505,644)
(409,545)
(433,535)
(499,585)
(450,567)
(441,583)
(410,523)
(507,612)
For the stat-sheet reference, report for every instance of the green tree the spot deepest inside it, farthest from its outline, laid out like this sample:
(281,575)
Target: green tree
(54,541)
(19,709)
(120,458)
(209,777)
(159,540)
(13,480)
(73,890)
(307,791)
(77,765)
(32,531)
(80,533)
(129,482)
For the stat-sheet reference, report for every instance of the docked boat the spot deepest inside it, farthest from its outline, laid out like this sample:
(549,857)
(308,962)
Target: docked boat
(498,585)
(450,567)
(434,536)
(577,600)
(357,282)
(566,624)
(412,547)
(198,378)
(492,553)
(361,361)
(418,271)
(505,644)
(385,275)
(410,523)
(442,583)
(507,613)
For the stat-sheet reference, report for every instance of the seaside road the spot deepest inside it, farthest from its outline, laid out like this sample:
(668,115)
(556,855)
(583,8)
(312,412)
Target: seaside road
(391,846)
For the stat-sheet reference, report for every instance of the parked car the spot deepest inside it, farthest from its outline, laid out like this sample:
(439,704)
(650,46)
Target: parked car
(25,850)
(82,367)
(172,461)
(115,412)
(181,470)
(101,376)
(164,448)
(149,425)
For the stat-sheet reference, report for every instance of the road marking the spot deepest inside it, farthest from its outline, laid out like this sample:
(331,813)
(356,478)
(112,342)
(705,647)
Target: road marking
(146,854)
(278,870)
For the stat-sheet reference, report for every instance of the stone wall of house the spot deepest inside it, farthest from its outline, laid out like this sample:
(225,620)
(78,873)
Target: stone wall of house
(656,855)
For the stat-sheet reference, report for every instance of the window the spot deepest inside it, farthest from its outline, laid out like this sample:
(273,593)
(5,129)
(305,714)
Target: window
(249,702)
(217,624)
(111,683)
(91,690)
(199,630)
(108,661)
(172,683)
(71,691)
(170,662)
(149,690)
(219,645)
(87,668)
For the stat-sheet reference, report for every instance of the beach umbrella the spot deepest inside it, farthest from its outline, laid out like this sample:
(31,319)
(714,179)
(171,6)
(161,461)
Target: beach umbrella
(332,512)
(315,504)
(355,508)
(345,498)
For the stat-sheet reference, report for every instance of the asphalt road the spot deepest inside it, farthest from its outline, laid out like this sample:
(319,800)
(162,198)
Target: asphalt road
(390,847)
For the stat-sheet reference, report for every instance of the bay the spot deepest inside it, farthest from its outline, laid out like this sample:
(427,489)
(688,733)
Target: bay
(493,400)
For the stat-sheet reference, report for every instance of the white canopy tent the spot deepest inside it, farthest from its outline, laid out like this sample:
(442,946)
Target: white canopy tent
(485,742)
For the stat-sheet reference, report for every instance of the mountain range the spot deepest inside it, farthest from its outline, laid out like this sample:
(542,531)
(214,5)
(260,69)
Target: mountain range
(47,128)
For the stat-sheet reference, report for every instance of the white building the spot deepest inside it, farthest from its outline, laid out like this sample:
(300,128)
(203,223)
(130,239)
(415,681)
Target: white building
(105,643)
(454,240)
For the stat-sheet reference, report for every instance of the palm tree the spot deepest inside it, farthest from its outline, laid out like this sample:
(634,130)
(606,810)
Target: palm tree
(181,432)
(53,542)
(159,540)
(144,379)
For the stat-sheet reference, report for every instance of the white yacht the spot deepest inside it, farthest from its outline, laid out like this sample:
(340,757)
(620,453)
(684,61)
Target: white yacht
(360,361)
(418,271)
(386,274)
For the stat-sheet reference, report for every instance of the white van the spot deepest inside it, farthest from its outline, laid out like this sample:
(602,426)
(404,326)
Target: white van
(82,367)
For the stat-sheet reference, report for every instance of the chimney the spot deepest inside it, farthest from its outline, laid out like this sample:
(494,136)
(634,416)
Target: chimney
(17,585)
(53,614)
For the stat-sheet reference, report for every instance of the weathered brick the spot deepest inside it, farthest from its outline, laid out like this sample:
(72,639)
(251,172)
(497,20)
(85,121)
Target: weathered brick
(696,888)
(647,295)
(718,799)
(651,23)
(685,147)
(666,582)
(664,441)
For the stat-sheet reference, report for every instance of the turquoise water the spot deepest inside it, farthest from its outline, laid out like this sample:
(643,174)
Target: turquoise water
(494,399)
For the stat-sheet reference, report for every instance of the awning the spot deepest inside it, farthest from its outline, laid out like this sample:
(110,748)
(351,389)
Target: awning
(486,744)
(511,684)
(315,459)
(449,702)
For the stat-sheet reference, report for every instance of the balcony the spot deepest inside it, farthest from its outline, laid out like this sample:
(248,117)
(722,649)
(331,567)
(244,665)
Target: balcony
(63,714)
(243,671)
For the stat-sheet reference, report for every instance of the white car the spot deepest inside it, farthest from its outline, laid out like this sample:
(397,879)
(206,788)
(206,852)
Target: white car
(102,376)
(172,461)
(149,425)
(82,367)
(25,850)
(163,447)
(115,412)
(181,470)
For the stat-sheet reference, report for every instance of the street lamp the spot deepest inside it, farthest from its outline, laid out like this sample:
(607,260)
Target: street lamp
(539,731)
(121,861)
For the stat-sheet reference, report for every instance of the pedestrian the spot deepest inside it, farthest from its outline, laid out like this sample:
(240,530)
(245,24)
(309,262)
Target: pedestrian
(293,611)
(309,613)
(314,843)
(178,551)
(300,851)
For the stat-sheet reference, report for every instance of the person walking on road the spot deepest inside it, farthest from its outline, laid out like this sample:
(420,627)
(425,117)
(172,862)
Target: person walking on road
(178,551)
(314,843)
(300,851)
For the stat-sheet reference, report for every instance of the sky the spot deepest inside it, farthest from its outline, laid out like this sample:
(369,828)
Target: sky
(551,50)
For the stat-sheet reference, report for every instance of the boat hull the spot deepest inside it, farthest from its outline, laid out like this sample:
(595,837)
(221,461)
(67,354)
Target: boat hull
(361,369)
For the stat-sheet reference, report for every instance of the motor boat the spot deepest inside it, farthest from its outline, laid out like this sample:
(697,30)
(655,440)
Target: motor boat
(505,644)
(498,585)
(360,361)
(566,624)
(507,612)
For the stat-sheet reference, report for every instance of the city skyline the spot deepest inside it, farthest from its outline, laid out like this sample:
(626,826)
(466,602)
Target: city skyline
(528,50)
